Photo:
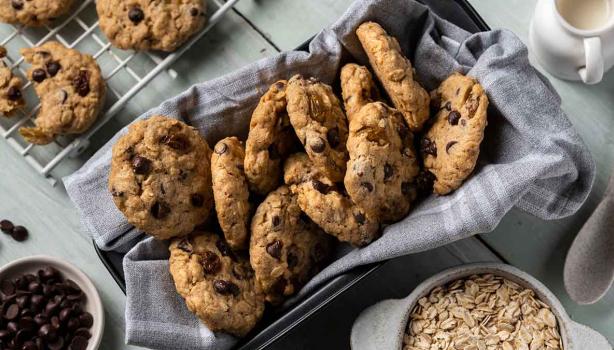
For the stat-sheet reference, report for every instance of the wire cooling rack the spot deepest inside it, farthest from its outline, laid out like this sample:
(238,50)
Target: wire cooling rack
(125,72)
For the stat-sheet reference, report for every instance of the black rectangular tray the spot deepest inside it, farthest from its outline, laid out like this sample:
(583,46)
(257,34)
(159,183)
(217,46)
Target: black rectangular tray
(276,323)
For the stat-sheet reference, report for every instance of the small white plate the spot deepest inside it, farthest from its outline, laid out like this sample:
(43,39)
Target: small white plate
(93,304)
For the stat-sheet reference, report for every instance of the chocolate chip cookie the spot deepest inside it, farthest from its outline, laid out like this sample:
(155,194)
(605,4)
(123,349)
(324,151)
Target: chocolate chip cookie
(286,248)
(217,285)
(451,146)
(396,74)
(71,90)
(327,204)
(382,165)
(33,12)
(161,178)
(270,138)
(10,88)
(319,122)
(357,88)
(230,191)
(150,24)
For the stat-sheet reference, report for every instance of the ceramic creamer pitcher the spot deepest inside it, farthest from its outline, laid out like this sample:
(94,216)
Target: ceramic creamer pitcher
(574,39)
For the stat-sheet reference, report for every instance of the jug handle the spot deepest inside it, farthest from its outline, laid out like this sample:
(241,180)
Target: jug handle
(592,72)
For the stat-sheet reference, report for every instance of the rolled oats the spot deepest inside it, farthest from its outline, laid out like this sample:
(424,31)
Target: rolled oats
(482,312)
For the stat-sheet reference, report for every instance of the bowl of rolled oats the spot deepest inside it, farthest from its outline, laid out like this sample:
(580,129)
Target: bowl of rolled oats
(474,307)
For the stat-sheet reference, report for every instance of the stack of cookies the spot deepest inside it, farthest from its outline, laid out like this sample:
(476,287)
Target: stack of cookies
(250,223)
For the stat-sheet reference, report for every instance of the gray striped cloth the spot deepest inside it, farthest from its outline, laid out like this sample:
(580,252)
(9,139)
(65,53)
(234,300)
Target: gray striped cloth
(531,158)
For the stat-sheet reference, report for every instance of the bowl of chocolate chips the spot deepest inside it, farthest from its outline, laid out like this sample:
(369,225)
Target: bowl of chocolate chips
(47,303)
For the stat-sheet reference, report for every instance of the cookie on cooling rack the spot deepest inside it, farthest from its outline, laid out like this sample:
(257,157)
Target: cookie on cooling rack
(10,88)
(150,25)
(71,90)
(32,13)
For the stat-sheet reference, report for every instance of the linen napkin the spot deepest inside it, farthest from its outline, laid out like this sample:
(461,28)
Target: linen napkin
(531,157)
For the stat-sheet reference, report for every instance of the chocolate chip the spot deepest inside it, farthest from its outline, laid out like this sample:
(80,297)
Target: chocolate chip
(17,4)
(35,287)
(367,185)
(317,145)
(197,200)
(56,344)
(274,249)
(6,226)
(136,15)
(160,210)
(224,249)
(141,165)
(275,221)
(29,345)
(428,147)
(448,106)
(226,287)
(19,233)
(360,218)
(194,11)
(53,67)
(86,319)
(48,273)
(176,142)
(449,145)
(185,245)
(273,152)
(454,117)
(320,187)
(11,313)
(292,256)
(388,171)
(333,137)
(211,263)
(78,343)
(81,83)
(83,332)
(220,148)
(7,287)
(13,93)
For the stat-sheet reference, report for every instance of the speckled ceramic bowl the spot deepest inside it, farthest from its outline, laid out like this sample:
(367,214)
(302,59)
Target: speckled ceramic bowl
(382,325)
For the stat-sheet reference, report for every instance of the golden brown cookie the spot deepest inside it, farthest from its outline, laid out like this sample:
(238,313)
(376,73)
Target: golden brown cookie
(396,74)
(11,98)
(451,146)
(230,191)
(319,122)
(286,248)
(33,13)
(161,178)
(217,285)
(357,88)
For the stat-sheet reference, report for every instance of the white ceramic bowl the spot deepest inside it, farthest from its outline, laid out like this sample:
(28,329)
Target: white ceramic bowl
(382,325)
(93,304)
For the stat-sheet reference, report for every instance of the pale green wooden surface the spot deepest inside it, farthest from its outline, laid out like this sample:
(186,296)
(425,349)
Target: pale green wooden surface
(529,243)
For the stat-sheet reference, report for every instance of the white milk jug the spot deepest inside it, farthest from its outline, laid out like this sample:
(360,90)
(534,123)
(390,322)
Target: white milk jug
(574,39)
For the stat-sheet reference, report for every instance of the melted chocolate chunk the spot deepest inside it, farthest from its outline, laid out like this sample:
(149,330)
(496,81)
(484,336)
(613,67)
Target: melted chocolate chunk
(428,147)
(226,287)
(13,93)
(454,117)
(39,75)
(176,142)
(53,67)
(17,4)
(82,83)
(185,245)
(141,165)
(211,263)
(136,15)
(274,249)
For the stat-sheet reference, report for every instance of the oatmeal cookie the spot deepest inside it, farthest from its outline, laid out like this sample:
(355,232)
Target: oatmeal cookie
(217,285)
(71,90)
(270,138)
(161,178)
(451,146)
(382,165)
(319,122)
(357,88)
(327,204)
(286,248)
(230,191)
(11,98)
(396,74)
(33,13)
(150,24)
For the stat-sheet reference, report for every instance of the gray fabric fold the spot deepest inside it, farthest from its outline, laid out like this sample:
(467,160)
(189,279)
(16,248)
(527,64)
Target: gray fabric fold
(531,157)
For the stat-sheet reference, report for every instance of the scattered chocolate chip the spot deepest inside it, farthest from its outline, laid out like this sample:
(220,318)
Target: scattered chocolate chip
(428,147)
(275,221)
(320,187)
(6,226)
(136,15)
(17,4)
(160,210)
(194,11)
(226,287)
(274,249)
(448,106)
(185,245)
(78,343)
(360,218)
(53,67)
(177,142)
(292,256)
(197,200)
(449,145)
(454,117)
(13,93)
(224,249)
(367,185)
(220,148)
(19,233)
(210,262)
(81,83)
(86,319)
(317,145)
(333,137)
(141,165)
(388,171)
